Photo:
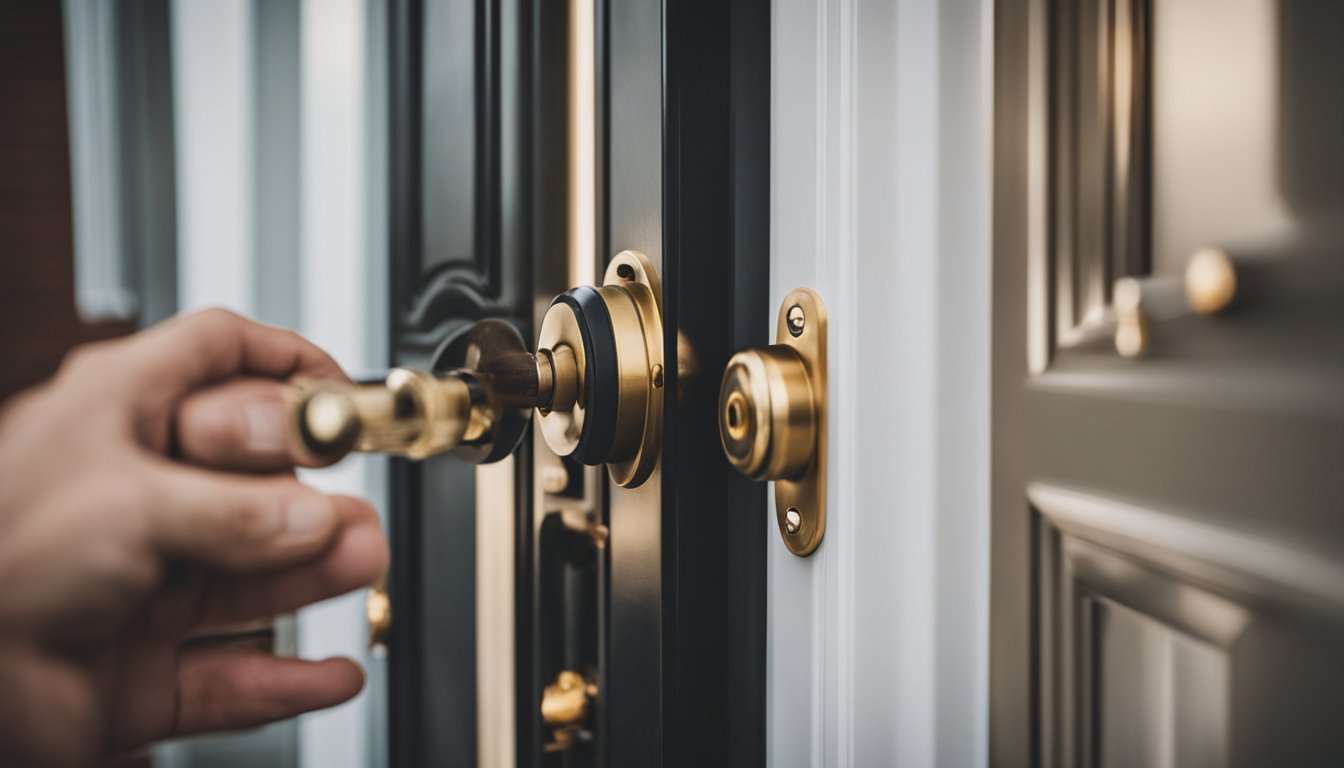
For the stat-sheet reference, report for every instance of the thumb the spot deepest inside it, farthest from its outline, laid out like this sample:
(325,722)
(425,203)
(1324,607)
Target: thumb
(238,522)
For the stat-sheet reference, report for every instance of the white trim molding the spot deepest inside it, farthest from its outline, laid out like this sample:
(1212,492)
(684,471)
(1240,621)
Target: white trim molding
(880,202)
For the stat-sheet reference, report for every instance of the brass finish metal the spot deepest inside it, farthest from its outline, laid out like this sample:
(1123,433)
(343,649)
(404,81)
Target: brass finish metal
(772,418)
(1210,281)
(478,410)
(638,326)
(768,416)
(1209,286)
(560,339)
(565,706)
(378,610)
(418,414)
(412,413)
(565,702)
(632,296)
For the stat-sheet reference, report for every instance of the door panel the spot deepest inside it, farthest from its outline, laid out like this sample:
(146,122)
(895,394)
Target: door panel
(1167,557)
(463,118)
(665,613)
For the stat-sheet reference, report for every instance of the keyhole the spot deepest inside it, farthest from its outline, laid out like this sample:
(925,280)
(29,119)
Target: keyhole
(735,416)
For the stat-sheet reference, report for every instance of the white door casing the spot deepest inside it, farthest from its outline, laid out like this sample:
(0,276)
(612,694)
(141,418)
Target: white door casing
(880,201)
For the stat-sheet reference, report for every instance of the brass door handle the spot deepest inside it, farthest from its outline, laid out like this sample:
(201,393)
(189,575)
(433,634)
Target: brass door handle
(1208,287)
(595,382)
(772,418)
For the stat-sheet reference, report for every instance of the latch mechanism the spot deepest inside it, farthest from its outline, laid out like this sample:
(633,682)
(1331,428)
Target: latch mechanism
(595,382)
(772,418)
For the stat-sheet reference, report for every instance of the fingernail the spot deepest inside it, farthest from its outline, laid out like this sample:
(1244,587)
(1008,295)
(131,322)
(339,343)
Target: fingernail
(265,426)
(306,517)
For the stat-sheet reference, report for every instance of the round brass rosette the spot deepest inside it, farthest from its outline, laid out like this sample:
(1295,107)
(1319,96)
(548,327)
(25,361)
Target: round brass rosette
(603,348)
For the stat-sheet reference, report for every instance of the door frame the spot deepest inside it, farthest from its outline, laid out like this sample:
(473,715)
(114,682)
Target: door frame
(878,641)
(684,137)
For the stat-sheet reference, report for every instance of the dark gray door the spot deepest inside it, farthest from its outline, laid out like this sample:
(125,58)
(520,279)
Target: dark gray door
(472,203)
(684,122)
(1168,528)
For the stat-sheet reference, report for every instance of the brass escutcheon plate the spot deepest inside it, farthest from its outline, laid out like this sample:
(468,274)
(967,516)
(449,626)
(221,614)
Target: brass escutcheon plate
(806,494)
(639,335)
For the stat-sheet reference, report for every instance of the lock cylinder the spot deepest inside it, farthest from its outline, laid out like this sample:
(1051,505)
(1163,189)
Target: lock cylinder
(767,420)
(772,418)
(604,348)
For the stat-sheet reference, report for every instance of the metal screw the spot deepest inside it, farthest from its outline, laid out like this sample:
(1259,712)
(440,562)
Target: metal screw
(793,520)
(797,320)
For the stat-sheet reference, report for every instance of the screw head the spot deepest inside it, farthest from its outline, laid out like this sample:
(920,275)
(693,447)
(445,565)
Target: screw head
(796,320)
(793,520)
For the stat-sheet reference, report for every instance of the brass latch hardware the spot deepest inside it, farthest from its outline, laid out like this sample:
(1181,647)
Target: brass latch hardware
(772,418)
(565,706)
(595,381)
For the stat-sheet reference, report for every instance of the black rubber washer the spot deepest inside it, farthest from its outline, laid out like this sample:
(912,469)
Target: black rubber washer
(600,373)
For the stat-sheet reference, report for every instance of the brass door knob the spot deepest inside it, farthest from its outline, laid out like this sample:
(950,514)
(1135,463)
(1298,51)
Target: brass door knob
(595,381)
(772,418)
(767,414)
(1208,287)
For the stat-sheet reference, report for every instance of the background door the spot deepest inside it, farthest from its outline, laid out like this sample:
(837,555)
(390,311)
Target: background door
(1168,554)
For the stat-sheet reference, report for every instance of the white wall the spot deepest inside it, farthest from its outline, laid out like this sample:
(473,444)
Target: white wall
(880,201)
(339,300)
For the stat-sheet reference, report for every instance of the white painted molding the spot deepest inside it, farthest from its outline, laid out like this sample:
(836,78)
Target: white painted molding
(1245,564)
(880,201)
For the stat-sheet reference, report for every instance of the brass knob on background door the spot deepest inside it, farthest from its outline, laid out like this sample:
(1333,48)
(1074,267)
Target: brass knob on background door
(772,418)
(1208,287)
(595,381)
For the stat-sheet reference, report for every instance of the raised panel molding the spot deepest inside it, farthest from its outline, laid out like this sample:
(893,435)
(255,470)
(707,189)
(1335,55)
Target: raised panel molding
(1148,629)
(434,289)
(1242,564)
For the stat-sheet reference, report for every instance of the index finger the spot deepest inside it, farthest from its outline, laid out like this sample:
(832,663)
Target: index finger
(190,351)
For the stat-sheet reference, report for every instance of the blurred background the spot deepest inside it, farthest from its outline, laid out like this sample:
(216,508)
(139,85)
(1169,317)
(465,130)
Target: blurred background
(1082,268)
(160,156)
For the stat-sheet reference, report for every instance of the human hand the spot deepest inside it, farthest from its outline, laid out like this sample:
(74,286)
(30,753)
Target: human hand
(147,492)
